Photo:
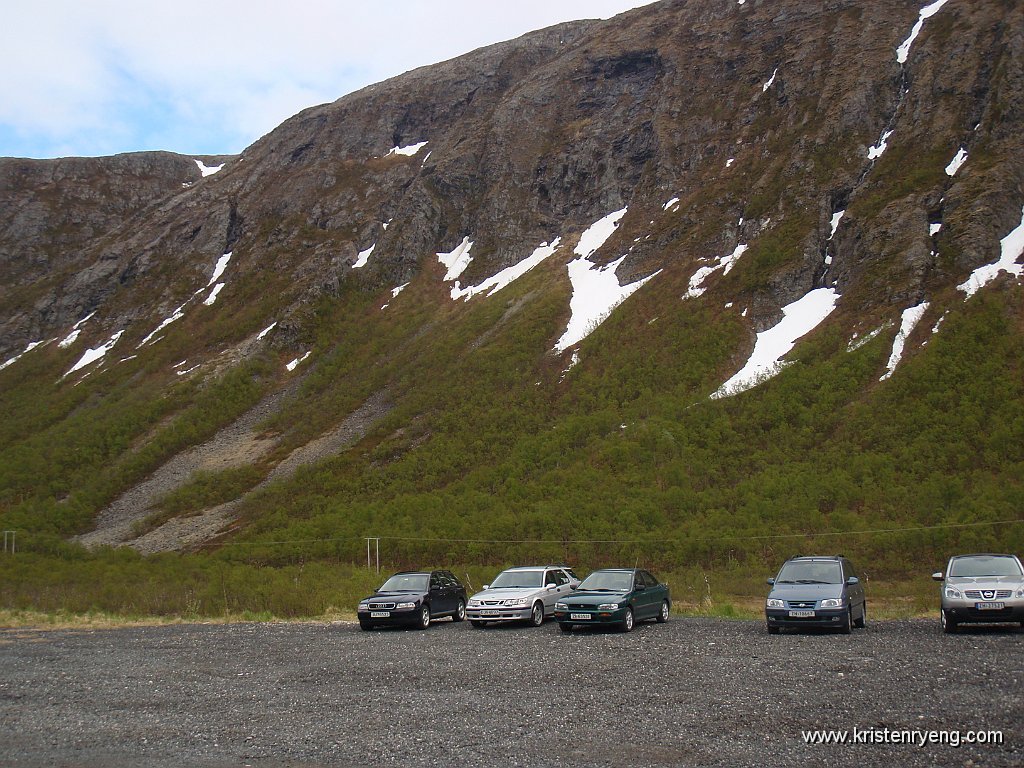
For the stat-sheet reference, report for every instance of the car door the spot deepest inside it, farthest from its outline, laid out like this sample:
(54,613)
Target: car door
(554,577)
(855,592)
(644,595)
(440,595)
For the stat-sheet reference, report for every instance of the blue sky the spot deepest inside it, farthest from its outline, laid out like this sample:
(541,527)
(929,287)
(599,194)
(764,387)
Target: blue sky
(98,77)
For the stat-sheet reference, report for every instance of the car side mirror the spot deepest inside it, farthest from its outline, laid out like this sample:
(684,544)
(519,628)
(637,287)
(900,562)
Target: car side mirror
(487,586)
(852,580)
(552,586)
(937,576)
(771,581)
(640,587)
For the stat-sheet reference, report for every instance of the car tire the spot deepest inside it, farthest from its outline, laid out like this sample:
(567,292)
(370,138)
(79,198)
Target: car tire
(365,626)
(847,626)
(478,624)
(862,622)
(424,618)
(537,614)
(460,612)
(664,612)
(566,628)
(948,622)
(627,622)
(772,630)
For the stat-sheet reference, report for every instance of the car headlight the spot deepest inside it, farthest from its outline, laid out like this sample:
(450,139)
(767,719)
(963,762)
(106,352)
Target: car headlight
(364,606)
(561,607)
(771,602)
(608,607)
(474,603)
(1019,592)
(406,605)
(832,602)
(953,593)
(516,601)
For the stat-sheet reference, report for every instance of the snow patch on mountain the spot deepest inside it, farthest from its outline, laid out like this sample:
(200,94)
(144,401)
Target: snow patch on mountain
(208,170)
(364,257)
(799,319)
(903,51)
(508,275)
(911,317)
(957,162)
(1011,248)
(407,151)
(724,263)
(457,260)
(92,355)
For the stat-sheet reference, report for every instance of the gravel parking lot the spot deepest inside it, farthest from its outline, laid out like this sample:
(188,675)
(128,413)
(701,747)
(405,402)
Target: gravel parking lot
(690,692)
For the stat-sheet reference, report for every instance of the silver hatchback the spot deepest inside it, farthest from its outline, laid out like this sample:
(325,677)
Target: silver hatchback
(981,589)
(526,593)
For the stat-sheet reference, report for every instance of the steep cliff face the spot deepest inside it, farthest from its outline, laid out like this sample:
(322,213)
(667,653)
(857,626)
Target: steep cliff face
(773,158)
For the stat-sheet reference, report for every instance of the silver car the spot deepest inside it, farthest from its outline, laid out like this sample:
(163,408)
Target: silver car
(527,593)
(981,589)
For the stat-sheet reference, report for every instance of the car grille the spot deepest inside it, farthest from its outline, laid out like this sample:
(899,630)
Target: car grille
(492,602)
(988,594)
(801,603)
(382,606)
(583,607)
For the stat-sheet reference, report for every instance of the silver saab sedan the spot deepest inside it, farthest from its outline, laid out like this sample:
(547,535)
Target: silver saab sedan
(526,593)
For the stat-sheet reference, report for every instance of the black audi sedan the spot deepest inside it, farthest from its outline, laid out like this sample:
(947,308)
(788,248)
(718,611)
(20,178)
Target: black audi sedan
(414,598)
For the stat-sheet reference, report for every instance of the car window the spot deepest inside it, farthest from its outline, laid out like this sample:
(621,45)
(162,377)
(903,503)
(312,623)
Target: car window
(453,580)
(649,580)
(435,581)
(513,579)
(848,569)
(984,565)
(559,577)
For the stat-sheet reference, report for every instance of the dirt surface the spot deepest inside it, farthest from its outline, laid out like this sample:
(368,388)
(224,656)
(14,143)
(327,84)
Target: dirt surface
(235,445)
(687,693)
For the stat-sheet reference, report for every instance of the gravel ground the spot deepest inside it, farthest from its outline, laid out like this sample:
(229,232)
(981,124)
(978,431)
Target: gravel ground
(691,692)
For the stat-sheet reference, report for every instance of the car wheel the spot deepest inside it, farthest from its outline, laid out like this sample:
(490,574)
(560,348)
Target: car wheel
(863,620)
(424,619)
(627,621)
(537,614)
(460,612)
(772,630)
(947,621)
(478,624)
(847,626)
(566,628)
(663,613)
(365,626)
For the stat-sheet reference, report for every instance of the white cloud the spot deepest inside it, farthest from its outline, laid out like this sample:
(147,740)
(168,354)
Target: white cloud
(211,76)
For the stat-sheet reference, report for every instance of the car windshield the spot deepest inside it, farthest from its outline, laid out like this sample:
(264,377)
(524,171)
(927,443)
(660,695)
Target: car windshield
(810,572)
(986,565)
(405,582)
(514,579)
(608,581)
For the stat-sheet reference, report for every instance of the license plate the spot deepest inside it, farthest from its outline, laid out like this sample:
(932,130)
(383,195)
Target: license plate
(380,614)
(802,614)
(579,617)
(488,613)
(989,606)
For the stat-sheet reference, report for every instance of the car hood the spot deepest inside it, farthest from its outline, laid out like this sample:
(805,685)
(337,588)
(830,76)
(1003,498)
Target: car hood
(806,591)
(986,582)
(395,596)
(590,597)
(507,594)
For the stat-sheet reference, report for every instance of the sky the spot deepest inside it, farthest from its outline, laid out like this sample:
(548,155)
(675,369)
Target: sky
(209,77)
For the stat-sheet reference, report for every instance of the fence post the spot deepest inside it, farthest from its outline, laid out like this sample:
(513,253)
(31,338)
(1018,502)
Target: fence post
(10,536)
(369,561)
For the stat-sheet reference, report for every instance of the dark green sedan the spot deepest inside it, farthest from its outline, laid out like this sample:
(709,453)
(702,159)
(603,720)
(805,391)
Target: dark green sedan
(616,597)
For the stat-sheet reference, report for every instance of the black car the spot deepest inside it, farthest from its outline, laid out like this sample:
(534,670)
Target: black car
(823,592)
(414,598)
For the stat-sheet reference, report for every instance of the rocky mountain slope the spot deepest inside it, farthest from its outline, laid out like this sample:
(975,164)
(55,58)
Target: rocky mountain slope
(738,175)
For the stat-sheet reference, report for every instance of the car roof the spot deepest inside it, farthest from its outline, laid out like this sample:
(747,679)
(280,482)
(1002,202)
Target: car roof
(618,570)
(412,573)
(534,567)
(981,554)
(817,557)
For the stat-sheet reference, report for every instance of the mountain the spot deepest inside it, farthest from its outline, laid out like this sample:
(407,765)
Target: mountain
(715,276)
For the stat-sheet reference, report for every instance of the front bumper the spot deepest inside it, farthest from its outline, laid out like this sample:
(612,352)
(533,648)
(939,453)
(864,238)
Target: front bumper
(498,613)
(395,617)
(966,611)
(574,617)
(823,618)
